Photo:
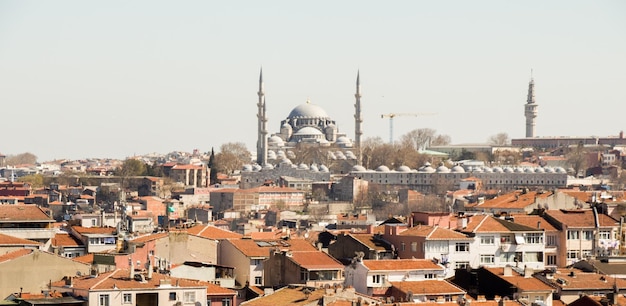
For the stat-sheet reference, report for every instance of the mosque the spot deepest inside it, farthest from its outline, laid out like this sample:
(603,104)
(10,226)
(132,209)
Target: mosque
(307,125)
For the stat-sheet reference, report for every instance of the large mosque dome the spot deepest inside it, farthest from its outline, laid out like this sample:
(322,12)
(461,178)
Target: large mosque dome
(307,110)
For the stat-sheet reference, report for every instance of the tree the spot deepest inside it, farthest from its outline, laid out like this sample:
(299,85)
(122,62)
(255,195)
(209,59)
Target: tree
(418,138)
(577,158)
(441,140)
(211,166)
(500,139)
(232,156)
(22,158)
(131,167)
(35,180)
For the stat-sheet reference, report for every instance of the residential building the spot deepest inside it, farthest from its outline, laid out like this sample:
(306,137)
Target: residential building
(304,295)
(27,222)
(10,244)
(447,247)
(570,284)
(584,233)
(372,246)
(32,269)
(310,268)
(552,234)
(524,202)
(213,273)
(433,291)
(258,198)
(95,239)
(67,245)
(375,277)
(499,242)
(124,287)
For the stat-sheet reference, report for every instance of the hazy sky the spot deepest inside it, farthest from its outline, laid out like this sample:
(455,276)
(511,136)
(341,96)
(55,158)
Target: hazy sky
(85,79)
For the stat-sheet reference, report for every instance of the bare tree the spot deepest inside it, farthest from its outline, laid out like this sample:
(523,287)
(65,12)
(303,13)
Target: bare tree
(418,138)
(441,140)
(500,139)
(232,156)
(20,159)
(577,158)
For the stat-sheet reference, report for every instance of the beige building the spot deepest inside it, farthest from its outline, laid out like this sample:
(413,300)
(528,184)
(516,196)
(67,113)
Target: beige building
(31,270)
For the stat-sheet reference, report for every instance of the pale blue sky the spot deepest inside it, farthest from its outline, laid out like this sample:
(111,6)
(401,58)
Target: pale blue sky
(85,79)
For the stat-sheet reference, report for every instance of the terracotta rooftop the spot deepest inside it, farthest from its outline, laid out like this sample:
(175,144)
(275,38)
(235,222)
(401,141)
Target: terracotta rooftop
(288,296)
(433,233)
(491,224)
(270,189)
(400,264)
(15,254)
(261,248)
(94,230)
(212,232)
(514,200)
(6,240)
(428,287)
(150,237)
(585,281)
(519,281)
(316,260)
(65,240)
(369,241)
(533,221)
(23,213)
(580,218)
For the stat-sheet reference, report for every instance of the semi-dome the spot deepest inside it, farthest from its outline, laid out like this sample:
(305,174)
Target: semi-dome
(488,170)
(549,169)
(529,170)
(307,131)
(314,168)
(323,168)
(276,141)
(427,169)
(358,168)
(443,169)
(308,110)
(497,169)
(540,170)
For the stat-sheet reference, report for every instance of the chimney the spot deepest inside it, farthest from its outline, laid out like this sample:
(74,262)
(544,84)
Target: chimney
(538,224)
(508,270)
(131,267)
(528,272)
(149,268)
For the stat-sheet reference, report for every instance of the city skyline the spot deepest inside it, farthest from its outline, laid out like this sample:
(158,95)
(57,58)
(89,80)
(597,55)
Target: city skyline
(115,79)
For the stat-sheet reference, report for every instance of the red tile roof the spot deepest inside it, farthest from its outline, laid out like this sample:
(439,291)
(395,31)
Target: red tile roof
(23,213)
(15,254)
(212,232)
(513,200)
(585,281)
(400,265)
(519,281)
(150,237)
(428,287)
(6,240)
(261,248)
(580,218)
(65,240)
(433,233)
(94,230)
(316,260)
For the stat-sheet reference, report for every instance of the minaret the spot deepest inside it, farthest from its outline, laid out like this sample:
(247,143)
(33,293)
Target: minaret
(358,119)
(530,109)
(261,144)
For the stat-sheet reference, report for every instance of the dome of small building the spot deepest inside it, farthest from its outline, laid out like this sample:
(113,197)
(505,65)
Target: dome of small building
(350,155)
(488,170)
(497,169)
(268,167)
(478,170)
(358,168)
(290,154)
(286,161)
(529,170)
(343,142)
(382,169)
(561,170)
(428,169)
(303,167)
(457,169)
(549,169)
(323,168)
(308,110)
(256,168)
(276,141)
(247,168)
(519,170)
(271,154)
(314,168)
(508,170)
(442,169)
(403,168)
(540,170)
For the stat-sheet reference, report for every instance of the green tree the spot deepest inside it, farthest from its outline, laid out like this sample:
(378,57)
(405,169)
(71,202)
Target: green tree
(211,166)
(35,180)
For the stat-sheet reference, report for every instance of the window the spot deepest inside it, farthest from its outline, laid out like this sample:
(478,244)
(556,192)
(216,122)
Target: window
(486,240)
(586,253)
(208,302)
(226,302)
(534,238)
(378,279)
(551,260)
(572,255)
(461,265)
(172,296)
(573,235)
(604,235)
(429,275)
(103,300)
(551,240)
(256,262)
(462,247)
(506,239)
(588,235)
(127,298)
(403,246)
(533,257)
(487,259)
(413,246)
(189,297)
(258,280)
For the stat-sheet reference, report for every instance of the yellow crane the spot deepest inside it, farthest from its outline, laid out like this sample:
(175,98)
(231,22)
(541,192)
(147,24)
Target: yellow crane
(393,115)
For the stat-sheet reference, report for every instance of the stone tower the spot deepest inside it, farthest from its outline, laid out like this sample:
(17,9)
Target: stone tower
(261,144)
(358,119)
(530,110)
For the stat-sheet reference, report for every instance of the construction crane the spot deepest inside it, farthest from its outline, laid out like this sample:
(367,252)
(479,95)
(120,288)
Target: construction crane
(393,115)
